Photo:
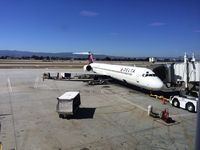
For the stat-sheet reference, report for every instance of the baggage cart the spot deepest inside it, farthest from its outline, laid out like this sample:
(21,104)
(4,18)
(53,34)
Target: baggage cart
(68,104)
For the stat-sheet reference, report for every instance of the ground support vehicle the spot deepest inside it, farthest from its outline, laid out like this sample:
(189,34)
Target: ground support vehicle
(186,102)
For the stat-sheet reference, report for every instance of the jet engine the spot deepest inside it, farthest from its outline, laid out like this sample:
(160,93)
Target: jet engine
(87,68)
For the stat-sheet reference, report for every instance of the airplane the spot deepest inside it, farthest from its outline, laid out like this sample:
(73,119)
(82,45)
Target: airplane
(137,76)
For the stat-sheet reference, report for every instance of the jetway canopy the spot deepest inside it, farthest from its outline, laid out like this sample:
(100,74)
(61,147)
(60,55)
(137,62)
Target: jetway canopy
(180,72)
(194,72)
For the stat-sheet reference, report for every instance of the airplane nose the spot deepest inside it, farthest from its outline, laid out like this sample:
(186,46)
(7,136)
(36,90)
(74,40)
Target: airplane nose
(158,84)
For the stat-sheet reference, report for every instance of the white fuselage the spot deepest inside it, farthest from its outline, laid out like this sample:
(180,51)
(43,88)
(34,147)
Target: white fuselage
(138,76)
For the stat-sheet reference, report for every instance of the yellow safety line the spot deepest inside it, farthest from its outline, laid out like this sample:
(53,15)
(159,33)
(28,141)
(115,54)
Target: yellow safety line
(1,147)
(159,97)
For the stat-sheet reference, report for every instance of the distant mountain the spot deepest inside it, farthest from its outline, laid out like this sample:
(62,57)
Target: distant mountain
(17,53)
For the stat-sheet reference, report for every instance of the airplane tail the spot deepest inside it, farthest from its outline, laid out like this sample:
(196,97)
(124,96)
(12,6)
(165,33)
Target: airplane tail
(90,58)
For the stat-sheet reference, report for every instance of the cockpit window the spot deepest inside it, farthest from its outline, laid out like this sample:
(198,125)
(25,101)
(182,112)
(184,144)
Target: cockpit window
(148,75)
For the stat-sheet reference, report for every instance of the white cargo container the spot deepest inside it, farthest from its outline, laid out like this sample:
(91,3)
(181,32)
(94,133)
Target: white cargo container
(68,104)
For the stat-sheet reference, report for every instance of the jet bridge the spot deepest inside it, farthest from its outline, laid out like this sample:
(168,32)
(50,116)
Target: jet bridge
(190,73)
(177,74)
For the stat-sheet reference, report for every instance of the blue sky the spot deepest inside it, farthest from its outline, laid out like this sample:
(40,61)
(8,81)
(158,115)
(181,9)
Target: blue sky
(113,27)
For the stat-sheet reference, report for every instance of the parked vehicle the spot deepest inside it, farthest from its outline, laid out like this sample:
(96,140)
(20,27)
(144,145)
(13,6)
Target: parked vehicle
(186,102)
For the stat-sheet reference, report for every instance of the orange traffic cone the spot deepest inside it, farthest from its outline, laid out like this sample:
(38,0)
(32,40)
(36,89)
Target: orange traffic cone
(163,101)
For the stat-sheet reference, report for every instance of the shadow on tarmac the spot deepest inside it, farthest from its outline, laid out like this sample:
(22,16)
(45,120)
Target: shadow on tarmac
(82,113)
(164,93)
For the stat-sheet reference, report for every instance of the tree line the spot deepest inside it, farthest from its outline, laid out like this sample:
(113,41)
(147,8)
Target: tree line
(107,58)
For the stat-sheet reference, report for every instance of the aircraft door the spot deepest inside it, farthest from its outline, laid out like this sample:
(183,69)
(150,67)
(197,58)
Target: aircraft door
(137,79)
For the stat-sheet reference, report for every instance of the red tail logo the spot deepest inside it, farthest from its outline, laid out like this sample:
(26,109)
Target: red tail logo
(90,58)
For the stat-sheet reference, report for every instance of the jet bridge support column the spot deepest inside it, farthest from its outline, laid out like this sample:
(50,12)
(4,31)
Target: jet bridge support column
(186,71)
(197,142)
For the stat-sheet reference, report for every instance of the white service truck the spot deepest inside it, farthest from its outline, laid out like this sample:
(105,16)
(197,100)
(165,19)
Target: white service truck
(186,102)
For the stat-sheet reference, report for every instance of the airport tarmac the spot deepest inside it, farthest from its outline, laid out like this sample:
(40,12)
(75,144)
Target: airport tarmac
(111,116)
